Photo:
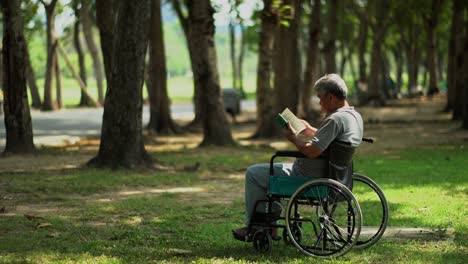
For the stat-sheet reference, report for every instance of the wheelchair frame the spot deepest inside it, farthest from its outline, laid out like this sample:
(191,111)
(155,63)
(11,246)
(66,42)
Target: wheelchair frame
(332,210)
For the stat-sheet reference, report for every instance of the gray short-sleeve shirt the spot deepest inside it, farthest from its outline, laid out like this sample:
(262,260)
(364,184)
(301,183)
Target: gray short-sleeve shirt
(345,124)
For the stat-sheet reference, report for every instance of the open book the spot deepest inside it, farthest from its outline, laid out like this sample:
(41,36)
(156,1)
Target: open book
(297,126)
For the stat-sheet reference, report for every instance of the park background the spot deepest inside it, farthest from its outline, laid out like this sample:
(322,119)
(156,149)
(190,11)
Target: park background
(56,206)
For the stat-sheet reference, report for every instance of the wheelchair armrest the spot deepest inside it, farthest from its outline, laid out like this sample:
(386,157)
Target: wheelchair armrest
(285,153)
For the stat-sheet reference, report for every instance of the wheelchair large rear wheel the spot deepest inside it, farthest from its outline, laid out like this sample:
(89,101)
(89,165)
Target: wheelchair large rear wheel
(329,216)
(374,209)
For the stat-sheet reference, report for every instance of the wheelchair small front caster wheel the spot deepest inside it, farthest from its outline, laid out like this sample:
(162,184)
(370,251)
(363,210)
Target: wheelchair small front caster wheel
(262,241)
(296,232)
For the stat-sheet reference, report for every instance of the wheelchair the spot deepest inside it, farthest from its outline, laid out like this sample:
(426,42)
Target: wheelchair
(323,217)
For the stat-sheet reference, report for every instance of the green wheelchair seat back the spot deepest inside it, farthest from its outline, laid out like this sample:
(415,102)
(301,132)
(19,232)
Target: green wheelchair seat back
(340,162)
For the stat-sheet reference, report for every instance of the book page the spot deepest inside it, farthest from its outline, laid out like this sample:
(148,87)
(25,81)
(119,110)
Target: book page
(295,122)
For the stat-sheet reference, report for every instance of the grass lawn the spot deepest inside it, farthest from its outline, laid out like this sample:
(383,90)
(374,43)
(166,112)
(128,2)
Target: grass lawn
(103,216)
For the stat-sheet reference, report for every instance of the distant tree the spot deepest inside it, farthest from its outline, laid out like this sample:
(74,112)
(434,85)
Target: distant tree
(48,103)
(180,9)
(18,125)
(121,135)
(456,31)
(431,20)
(216,129)
(311,72)
(87,24)
(329,46)
(265,115)
(459,71)
(160,112)
(379,24)
(105,16)
(58,81)
(237,58)
(84,100)
(465,72)
(286,88)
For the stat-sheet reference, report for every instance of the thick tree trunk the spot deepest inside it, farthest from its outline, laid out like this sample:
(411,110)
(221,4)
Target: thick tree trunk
(18,125)
(265,115)
(311,71)
(216,129)
(432,47)
(48,103)
(105,16)
(121,135)
(31,79)
(455,30)
(329,48)
(88,34)
(160,112)
(362,48)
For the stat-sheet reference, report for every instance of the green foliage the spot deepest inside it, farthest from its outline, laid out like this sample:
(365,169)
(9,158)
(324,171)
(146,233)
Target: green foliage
(104,216)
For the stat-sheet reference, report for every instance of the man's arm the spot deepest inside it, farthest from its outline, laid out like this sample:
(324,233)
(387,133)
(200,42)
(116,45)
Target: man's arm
(310,150)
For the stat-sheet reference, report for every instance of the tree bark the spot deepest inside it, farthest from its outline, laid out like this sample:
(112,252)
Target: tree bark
(362,47)
(432,64)
(216,129)
(88,34)
(121,135)
(465,74)
(160,113)
(232,45)
(18,125)
(459,81)
(311,71)
(48,103)
(264,99)
(329,48)
(105,16)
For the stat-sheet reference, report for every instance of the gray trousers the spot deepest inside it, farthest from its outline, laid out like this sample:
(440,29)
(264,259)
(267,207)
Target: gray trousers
(257,180)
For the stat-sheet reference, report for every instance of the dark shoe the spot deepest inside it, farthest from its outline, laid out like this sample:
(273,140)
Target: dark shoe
(244,234)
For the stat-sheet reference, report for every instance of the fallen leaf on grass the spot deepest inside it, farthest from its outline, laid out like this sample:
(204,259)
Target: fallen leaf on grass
(53,235)
(42,225)
(179,251)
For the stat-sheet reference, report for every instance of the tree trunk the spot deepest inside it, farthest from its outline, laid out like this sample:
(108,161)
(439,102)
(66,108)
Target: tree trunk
(329,48)
(186,26)
(265,115)
(379,29)
(362,48)
(84,100)
(232,44)
(160,112)
(88,34)
(48,103)
(216,129)
(105,16)
(58,81)
(399,67)
(432,47)
(455,30)
(459,81)
(465,74)
(240,61)
(31,79)
(18,125)
(311,71)
(121,135)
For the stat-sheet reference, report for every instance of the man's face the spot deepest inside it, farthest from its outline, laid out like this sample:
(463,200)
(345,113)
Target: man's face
(326,102)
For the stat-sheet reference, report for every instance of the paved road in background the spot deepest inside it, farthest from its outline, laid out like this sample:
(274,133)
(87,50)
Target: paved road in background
(72,124)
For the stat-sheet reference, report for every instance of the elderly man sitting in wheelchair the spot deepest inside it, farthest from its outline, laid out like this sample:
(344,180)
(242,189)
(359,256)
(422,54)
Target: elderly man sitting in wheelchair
(317,185)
